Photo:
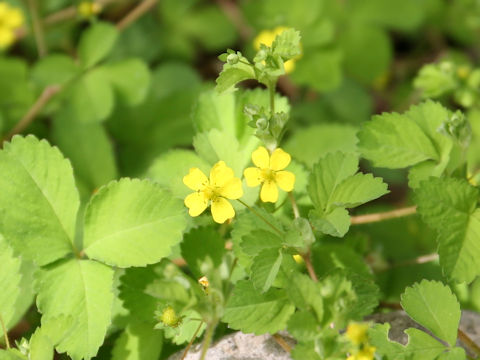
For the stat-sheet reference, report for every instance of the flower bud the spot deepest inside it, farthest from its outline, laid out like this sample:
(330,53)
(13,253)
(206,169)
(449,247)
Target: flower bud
(232,59)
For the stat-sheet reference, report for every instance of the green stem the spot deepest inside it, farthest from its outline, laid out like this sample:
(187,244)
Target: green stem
(192,340)
(271,90)
(5,334)
(37,28)
(261,217)
(296,212)
(208,339)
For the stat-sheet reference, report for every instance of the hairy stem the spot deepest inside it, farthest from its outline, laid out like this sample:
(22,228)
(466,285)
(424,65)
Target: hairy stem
(261,217)
(37,28)
(208,339)
(308,264)
(281,341)
(468,342)
(48,93)
(5,334)
(136,13)
(271,90)
(296,212)
(371,218)
(192,340)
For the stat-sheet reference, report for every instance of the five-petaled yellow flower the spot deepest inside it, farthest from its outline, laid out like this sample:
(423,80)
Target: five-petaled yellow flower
(357,332)
(267,37)
(270,173)
(11,19)
(221,186)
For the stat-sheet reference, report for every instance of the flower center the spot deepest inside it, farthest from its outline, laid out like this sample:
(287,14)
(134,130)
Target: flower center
(211,192)
(268,175)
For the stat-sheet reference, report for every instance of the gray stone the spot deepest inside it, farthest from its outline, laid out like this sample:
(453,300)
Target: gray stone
(239,346)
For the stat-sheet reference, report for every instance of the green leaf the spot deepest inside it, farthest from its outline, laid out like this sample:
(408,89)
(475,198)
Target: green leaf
(259,240)
(131,78)
(139,341)
(357,190)
(432,305)
(90,151)
(12,354)
(10,278)
(85,290)
(306,294)
(42,225)
(287,44)
(202,245)
(449,206)
(310,144)
(184,333)
(233,74)
(303,351)
(169,169)
(54,69)
(334,223)
(95,43)
(326,257)
(265,268)
(90,99)
(253,312)
(420,346)
(303,326)
(132,223)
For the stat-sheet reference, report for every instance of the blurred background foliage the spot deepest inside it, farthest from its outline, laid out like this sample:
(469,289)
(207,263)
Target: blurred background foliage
(127,109)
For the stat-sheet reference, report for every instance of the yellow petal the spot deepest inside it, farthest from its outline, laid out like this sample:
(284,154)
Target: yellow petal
(232,190)
(196,203)
(289,66)
(7,37)
(269,192)
(261,158)
(220,174)
(195,179)
(280,160)
(265,37)
(285,180)
(253,176)
(14,19)
(222,210)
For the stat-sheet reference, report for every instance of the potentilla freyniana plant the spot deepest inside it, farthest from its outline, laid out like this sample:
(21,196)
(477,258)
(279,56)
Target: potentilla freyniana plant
(264,261)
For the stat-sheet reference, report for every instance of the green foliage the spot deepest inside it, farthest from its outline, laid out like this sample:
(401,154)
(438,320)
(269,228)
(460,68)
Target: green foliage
(138,341)
(96,43)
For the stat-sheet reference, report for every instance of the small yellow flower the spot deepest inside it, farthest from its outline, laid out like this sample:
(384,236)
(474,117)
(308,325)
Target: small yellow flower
(221,186)
(357,332)
(88,9)
(298,259)
(267,37)
(270,173)
(367,353)
(204,282)
(11,19)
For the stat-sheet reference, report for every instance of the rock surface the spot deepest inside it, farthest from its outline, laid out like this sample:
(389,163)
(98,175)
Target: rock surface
(239,346)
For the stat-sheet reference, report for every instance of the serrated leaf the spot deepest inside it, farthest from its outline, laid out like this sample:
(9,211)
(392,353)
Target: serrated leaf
(233,74)
(335,222)
(132,223)
(259,240)
(139,341)
(10,278)
(252,312)
(357,190)
(420,346)
(287,44)
(85,288)
(326,257)
(265,268)
(41,347)
(202,245)
(130,78)
(39,202)
(449,206)
(432,305)
(96,42)
(306,294)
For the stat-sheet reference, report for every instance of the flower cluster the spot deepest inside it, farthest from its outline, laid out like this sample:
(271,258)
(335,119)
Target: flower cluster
(222,185)
(266,37)
(11,19)
(357,334)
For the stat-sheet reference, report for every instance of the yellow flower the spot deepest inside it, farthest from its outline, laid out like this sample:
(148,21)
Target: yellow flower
(357,332)
(88,9)
(11,19)
(367,353)
(221,186)
(269,173)
(267,37)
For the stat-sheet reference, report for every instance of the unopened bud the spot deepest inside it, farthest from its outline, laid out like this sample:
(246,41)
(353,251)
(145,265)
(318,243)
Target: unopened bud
(232,59)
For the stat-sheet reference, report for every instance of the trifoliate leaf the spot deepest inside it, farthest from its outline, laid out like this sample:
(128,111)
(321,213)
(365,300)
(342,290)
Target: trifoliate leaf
(54,70)
(85,290)
(432,305)
(10,278)
(420,346)
(130,78)
(202,245)
(310,144)
(138,341)
(265,268)
(42,225)
(90,98)
(252,312)
(449,206)
(132,223)
(96,43)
